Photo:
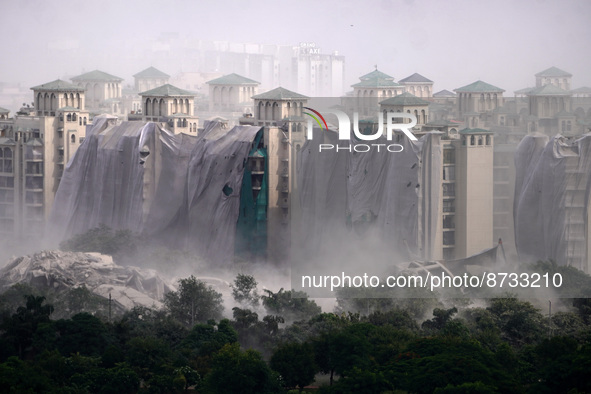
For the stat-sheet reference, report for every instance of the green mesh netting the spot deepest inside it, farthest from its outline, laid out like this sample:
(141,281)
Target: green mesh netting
(251,228)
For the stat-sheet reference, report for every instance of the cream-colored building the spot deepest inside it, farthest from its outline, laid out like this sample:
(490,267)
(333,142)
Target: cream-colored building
(35,146)
(171,105)
(554,76)
(548,100)
(408,103)
(418,85)
(232,93)
(275,106)
(476,100)
(465,201)
(281,112)
(150,78)
(103,91)
(377,84)
(473,202)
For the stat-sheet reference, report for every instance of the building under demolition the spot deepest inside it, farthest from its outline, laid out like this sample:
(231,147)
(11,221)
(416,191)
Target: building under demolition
(264,188)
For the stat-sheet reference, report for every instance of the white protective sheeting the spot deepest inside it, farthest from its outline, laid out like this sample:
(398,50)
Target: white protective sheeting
(140,177)
(551,198)
(393,194)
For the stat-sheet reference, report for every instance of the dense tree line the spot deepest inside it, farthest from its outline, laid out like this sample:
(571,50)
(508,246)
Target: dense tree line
(502,345)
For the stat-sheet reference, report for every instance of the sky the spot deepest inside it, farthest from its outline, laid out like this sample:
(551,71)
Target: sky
(453,43)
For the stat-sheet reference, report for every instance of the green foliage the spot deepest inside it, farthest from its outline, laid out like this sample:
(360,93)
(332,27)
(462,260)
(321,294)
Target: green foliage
(466,388)
(363,381)
(80,299)
(440,318)
(397,318)
(562,364)
(20,328)
(244,290)
(194,302)
(574,281)
(236,371)
(500,348)
(206,339)
(103,240)
(437,362)
(295,363)
(519,321)
(291,304)
(18,376)
(83,333)
(147,356)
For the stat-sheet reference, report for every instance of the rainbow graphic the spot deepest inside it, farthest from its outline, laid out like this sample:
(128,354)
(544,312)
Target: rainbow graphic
(316,119)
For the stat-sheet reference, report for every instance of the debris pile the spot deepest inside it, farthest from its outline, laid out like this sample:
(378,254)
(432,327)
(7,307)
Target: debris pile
(62,271)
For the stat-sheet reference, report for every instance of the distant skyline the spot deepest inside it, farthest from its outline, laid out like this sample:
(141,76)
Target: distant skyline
(453,43)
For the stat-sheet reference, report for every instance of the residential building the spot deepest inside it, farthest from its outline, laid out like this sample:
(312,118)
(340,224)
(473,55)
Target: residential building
(170,105)
(554,76)
(103,92)
(418,85)
(150,78)
(36,144)
(232,93)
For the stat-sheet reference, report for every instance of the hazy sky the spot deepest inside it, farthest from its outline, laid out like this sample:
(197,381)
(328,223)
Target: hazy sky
(453,43)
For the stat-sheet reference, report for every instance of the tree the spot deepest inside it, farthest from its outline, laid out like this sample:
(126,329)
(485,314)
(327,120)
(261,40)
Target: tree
(244,290)
(80,299)
(292,305)
(83,333)
(236,371)
(295,363)
(520,322)
(440,319)
(397,318)
(206,339)
(21,327)
(194,302)
(147,356)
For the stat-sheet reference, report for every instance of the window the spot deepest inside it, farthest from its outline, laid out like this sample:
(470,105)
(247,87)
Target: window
(35,168)
(449,156)
(73,139)
(488,140)
(6,181)
(34,182)
(449,189)
(449,173)
(448,254)
(449,206)
(472,140)
(6,160)
(449,237)
(448,221)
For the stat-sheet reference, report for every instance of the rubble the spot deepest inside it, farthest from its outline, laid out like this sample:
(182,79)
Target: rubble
(61,271)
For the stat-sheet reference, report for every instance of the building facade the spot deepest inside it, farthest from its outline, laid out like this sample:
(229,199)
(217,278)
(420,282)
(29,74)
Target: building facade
(102,91)
(232,93)
(418,85)
(36,144)
(149,79)
(171,105)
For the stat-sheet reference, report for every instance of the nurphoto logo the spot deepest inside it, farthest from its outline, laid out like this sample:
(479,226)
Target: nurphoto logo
(344,130)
